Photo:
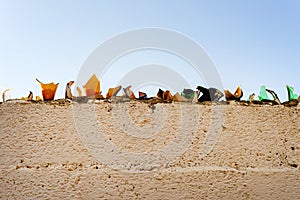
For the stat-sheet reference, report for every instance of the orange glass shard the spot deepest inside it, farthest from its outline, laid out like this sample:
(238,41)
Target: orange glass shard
(38,98)
(109,92)
(164,95)
(48,90)
(132,96)
(142,95)
(167,96)
(113,91)
(92,87)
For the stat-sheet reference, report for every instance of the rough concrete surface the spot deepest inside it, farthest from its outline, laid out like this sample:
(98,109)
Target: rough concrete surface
(45,154)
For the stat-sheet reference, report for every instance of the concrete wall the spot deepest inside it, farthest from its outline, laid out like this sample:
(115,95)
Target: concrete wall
(257,154)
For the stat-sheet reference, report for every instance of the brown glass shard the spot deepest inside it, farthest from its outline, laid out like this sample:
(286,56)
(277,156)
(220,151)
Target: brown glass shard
(238,94)
(178,98)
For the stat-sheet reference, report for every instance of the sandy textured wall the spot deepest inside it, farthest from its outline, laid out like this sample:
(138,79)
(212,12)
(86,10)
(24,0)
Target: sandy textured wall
(256,156)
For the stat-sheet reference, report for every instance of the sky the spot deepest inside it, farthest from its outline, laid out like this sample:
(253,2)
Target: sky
(251,43)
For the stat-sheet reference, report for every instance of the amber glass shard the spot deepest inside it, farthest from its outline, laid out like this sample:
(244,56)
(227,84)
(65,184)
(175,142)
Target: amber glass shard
(48,90)
(113,91)
(92,87)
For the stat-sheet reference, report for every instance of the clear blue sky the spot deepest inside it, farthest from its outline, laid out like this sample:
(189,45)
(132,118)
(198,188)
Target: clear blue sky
(251,42)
